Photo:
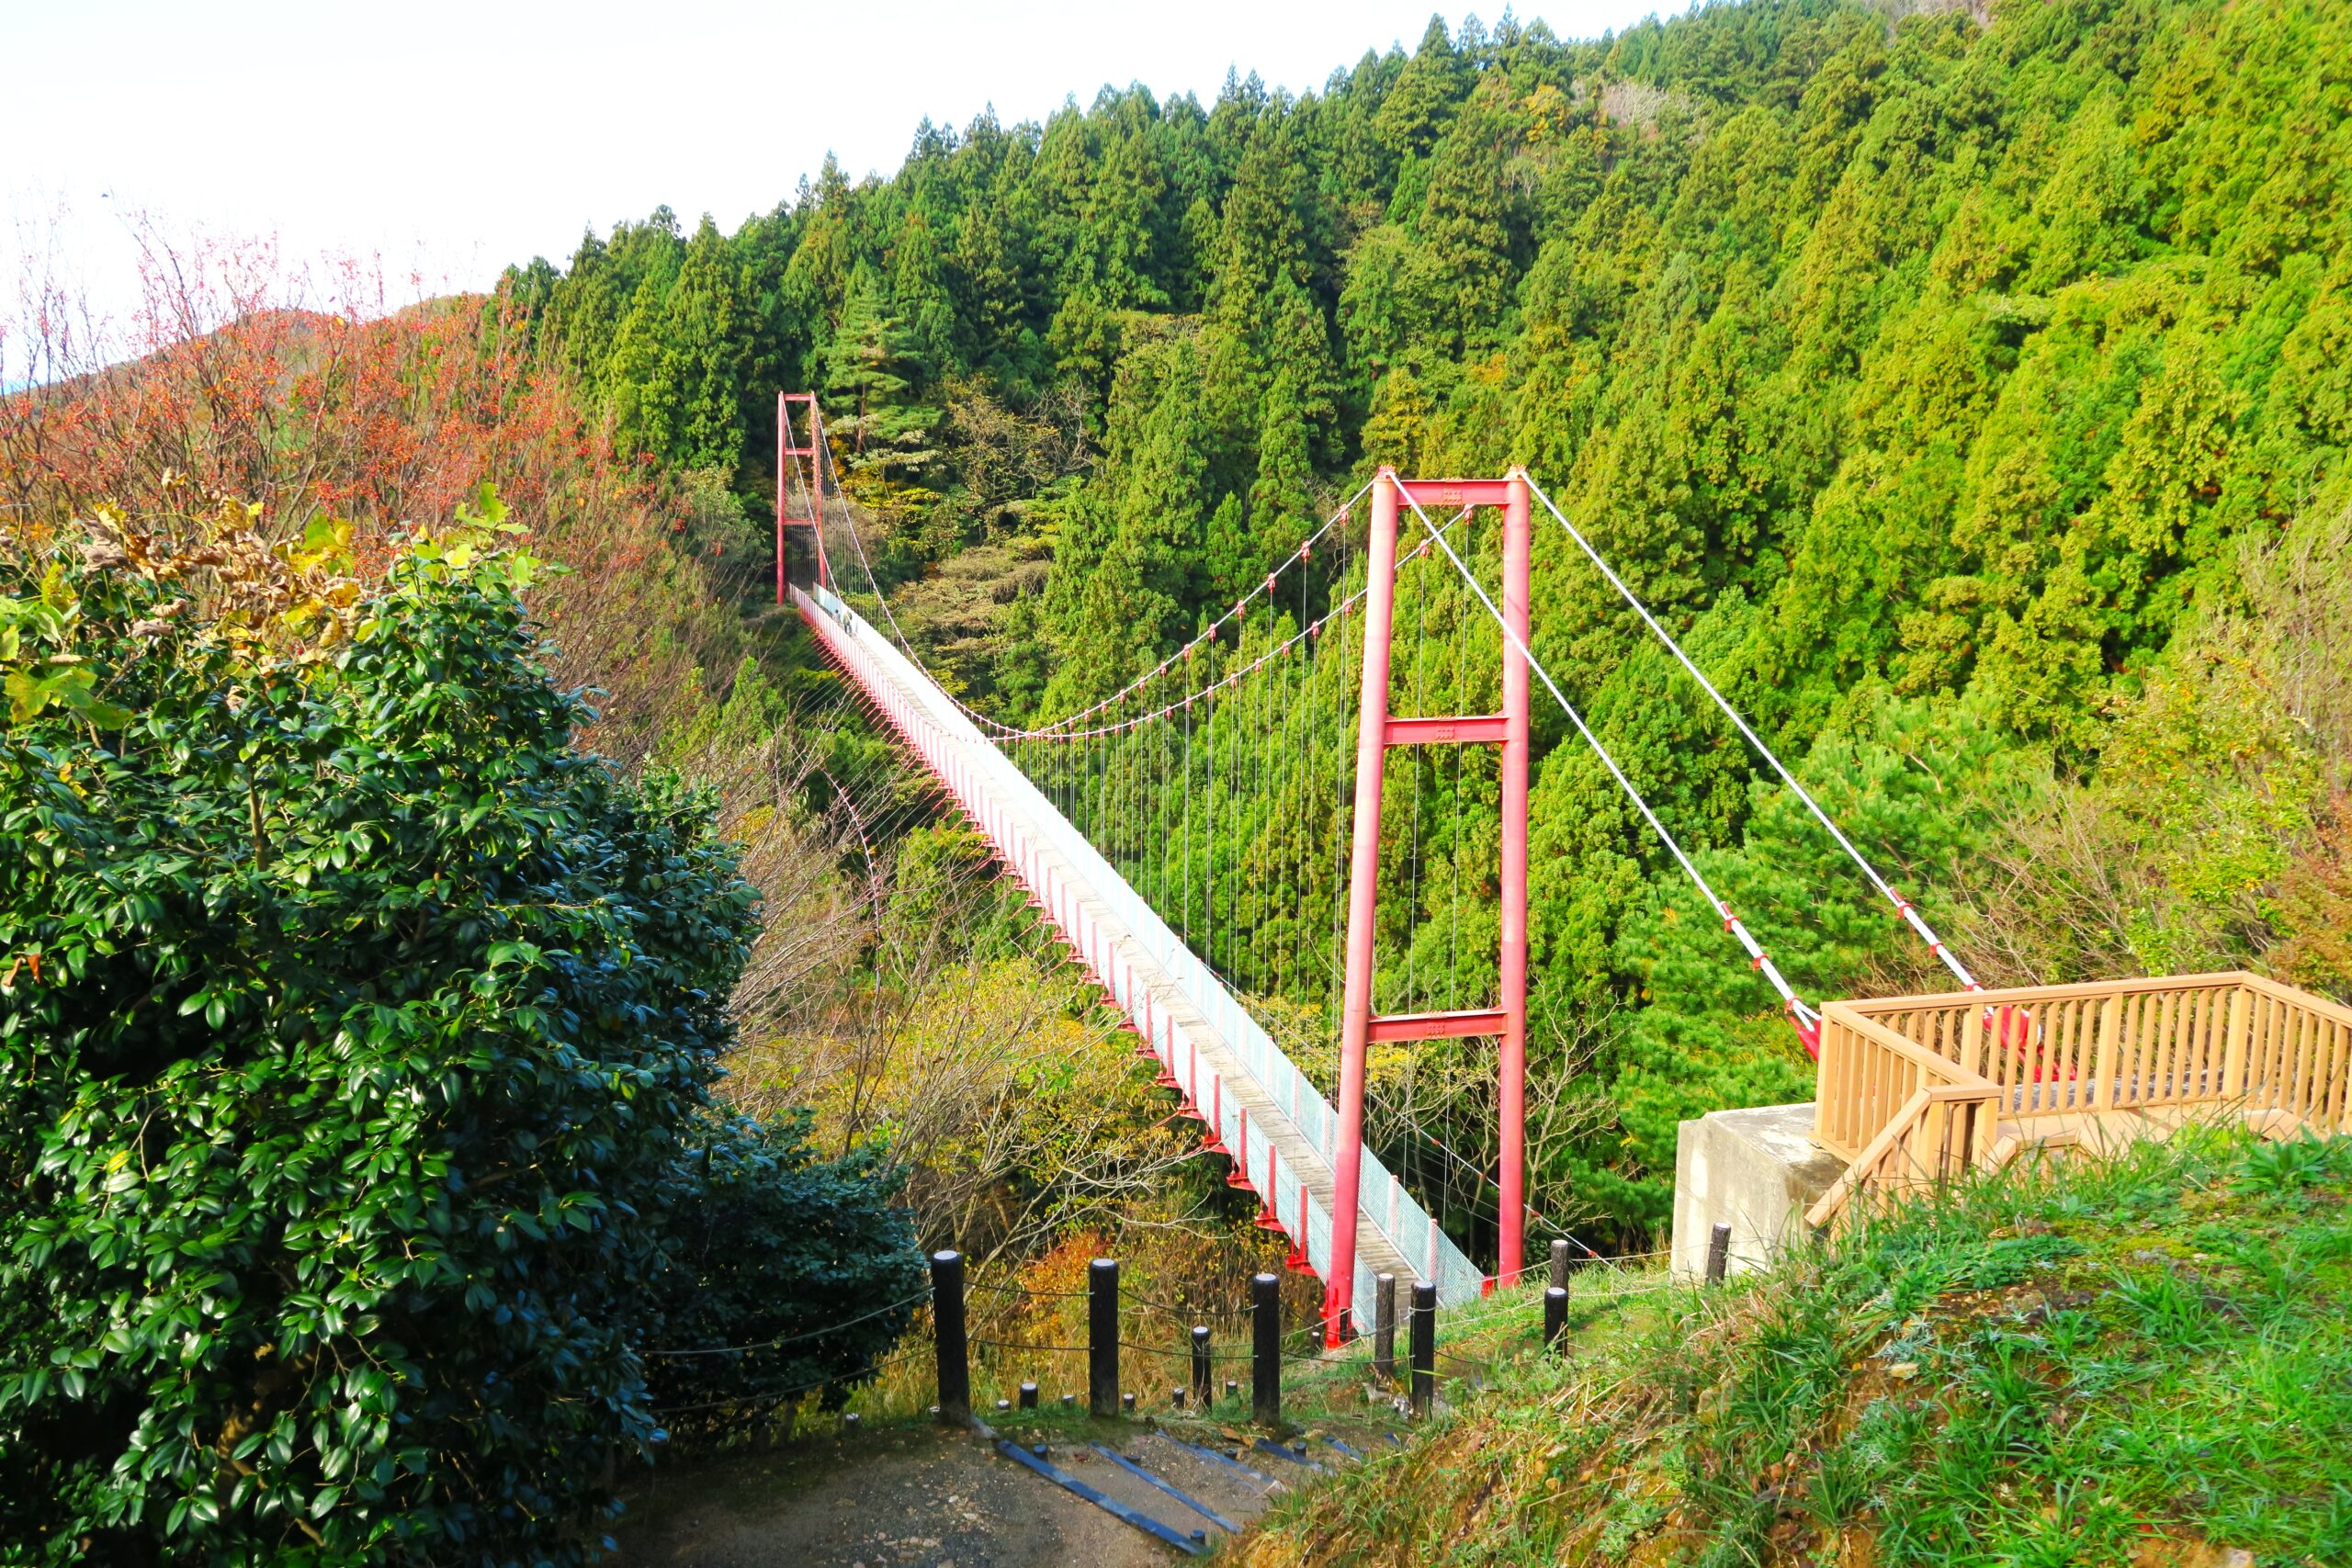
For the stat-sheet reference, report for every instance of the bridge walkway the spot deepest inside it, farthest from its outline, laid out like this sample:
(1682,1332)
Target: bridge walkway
(1255,1103)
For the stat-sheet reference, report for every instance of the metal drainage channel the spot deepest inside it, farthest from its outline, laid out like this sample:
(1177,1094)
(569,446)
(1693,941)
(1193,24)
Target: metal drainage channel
(1195,1542)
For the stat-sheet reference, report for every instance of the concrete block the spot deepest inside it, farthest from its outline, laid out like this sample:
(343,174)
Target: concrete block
(1759,1170)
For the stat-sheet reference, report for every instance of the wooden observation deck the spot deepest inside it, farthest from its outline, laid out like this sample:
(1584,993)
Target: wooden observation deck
(1914,1091)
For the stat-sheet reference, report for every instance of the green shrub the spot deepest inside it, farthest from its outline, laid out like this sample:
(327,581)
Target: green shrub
(762,1208)
(357,1039)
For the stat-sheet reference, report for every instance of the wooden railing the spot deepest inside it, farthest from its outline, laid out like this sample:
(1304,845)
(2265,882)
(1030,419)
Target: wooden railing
(1901,1115)
(1869,1074)
(2297,1057)
(1912,1090)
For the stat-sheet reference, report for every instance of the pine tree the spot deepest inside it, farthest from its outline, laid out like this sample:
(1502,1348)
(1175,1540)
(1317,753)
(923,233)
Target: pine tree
(1120,237)
(1299,345)
(1164,498)
(676,373)
(988,272)
(1282,500)
(1058,183)
(776,350)
(815,281)
(1415,111)
(1464,273)
(587,310)
(919,298)
(871,369)
(1261,240)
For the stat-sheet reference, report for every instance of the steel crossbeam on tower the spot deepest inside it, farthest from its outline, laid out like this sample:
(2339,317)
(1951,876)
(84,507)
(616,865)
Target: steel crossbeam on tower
(1492,726)
(1459,1025)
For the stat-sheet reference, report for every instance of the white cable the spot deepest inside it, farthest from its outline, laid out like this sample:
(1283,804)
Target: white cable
(1060,726)
(825,461)
(1902,905)
(1732,922)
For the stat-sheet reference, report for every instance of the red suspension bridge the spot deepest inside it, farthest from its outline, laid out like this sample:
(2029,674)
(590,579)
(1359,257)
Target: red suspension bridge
(1214,830)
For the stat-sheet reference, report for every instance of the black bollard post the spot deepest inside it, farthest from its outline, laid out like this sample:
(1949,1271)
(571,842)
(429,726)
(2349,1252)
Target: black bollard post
(1103,1337)
(1424,1347)
(1203,1395)
(1383,1327)
(1028,1397)
(947,1324)
(1559,1283)
(1266,1358)
(1718,1254)
(1555,1315)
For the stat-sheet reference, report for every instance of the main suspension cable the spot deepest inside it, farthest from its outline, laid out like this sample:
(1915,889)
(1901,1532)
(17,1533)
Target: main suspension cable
(1805,1017)
(1903,906)
(1238,611)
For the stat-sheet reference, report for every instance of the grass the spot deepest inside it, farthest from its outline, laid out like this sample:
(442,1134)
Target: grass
(2143,1361)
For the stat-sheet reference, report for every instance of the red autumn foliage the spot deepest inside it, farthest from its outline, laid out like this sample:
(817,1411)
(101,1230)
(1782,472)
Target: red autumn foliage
(235,386)
(231,390)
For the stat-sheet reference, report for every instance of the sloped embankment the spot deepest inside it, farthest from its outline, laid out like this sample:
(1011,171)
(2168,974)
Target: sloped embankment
(2143,1362)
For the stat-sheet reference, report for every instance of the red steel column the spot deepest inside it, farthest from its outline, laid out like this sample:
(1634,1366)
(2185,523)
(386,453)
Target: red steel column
(783,430)
(1518,550)
(1363,874)
(817,494)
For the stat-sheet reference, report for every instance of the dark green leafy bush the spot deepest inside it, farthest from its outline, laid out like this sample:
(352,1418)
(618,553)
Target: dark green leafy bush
(358,1040)
(763,1207)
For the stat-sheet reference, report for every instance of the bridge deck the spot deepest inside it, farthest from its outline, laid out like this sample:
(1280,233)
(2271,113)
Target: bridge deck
(1279,1129)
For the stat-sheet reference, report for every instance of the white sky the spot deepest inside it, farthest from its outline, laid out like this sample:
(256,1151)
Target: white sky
(448,140)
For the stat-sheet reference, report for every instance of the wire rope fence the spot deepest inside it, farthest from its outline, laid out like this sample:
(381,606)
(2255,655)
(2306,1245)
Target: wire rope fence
(984,1350)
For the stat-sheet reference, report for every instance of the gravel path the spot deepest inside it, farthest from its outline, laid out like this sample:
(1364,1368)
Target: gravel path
(922,1496)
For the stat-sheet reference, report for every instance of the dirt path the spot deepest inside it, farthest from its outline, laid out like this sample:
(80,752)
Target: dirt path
(920,1495)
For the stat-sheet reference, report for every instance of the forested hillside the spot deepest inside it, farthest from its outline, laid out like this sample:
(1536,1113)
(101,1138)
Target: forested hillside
(1966,385)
